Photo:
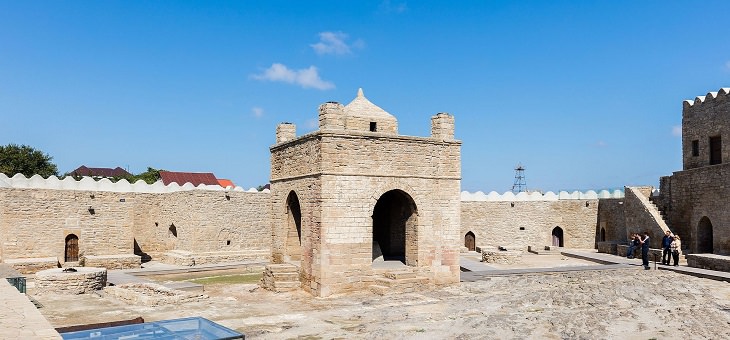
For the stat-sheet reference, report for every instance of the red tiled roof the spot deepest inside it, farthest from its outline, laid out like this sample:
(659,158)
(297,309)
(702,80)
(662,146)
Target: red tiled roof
(225,183)
(195,178)
(100,172)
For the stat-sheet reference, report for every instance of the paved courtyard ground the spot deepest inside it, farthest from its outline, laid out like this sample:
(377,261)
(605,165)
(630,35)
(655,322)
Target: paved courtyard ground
(625,303)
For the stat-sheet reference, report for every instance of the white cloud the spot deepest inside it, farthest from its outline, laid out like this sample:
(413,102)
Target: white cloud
(677,131)
(389,7)
(306,78)
(335,43)
(257,112)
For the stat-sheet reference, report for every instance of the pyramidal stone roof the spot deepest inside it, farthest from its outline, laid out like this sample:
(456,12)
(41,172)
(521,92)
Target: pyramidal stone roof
(361,106)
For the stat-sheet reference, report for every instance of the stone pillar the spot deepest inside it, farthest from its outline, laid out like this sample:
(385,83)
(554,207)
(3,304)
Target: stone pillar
(331,116)
(442,126)
(285,132)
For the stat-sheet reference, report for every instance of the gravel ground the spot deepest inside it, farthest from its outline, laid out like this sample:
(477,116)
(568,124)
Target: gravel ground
(610,304)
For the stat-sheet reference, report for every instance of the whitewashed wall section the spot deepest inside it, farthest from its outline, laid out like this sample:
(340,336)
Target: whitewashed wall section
(537,196)
(89,184)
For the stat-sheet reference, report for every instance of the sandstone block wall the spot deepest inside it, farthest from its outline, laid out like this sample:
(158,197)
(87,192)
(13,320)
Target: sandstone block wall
(204,221)
(530,223)
(693,195)
(642,216)
(612,220)
(702,118)
(35,222)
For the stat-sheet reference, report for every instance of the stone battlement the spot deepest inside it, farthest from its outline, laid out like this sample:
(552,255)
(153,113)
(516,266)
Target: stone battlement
(537,196)
(710,98)
(19,181)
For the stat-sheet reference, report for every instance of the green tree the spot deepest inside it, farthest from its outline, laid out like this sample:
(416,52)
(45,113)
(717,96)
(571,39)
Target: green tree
(23,159)
(150,176)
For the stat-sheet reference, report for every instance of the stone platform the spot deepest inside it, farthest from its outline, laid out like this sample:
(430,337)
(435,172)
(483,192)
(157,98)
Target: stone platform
(83,280)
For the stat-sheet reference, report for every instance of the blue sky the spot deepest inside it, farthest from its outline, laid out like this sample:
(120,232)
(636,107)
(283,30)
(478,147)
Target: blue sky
(585,94)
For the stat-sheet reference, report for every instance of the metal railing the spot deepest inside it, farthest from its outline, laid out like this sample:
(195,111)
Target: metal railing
(18,283)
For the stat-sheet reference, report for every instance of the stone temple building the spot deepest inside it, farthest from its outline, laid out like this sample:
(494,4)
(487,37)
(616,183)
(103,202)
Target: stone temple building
(355,192)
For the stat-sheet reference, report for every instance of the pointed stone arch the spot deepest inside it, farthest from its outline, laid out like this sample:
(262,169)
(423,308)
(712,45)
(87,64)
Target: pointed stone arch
(470,241)
(395,228)
(558,239)
(704,236)
(293,227)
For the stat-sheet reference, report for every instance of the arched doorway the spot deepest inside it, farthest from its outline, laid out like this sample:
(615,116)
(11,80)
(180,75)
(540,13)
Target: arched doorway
(704,236)
(602,236)
(293,227)
(470,241)
(557,237)
(71,250)
(395,228)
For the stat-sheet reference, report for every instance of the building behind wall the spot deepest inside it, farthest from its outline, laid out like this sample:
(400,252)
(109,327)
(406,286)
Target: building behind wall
(356,192)
(695,199)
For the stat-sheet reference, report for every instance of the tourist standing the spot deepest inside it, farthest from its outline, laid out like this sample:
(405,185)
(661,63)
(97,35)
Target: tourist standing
(645,250)
(676,249)
(666,247)
(633,244)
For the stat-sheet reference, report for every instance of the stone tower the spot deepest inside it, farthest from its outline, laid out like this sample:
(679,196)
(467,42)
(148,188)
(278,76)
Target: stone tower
(355,195)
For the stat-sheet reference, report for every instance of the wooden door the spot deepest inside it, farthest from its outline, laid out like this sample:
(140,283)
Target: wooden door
(72,248)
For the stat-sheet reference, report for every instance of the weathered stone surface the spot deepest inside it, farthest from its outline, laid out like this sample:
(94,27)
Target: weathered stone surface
(82,281)
(151,294)
(19,318)
(709,261)
(530,223)
(502,256)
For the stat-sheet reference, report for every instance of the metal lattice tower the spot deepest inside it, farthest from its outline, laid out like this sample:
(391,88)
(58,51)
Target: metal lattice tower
(519,185)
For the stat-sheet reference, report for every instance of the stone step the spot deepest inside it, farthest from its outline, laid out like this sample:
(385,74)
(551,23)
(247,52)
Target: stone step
(287,276)
(401,284)
(281,277)
(380,290)
(400,275)
(282,267)
(286,286)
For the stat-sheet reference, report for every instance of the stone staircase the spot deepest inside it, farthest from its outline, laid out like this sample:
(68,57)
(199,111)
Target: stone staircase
(282,277)
(397,282)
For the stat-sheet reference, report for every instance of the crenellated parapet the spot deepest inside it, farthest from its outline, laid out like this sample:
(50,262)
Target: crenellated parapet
(19,181)
(709,99)
(705,124)
(537,196)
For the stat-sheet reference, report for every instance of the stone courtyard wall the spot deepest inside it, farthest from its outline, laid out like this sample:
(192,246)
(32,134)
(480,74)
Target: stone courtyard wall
(120,219)
(35,222)
(520,224)
(204,221)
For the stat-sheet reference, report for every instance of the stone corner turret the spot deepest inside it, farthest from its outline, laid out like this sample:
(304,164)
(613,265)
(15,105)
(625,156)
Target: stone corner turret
(442,126)
(285,132)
